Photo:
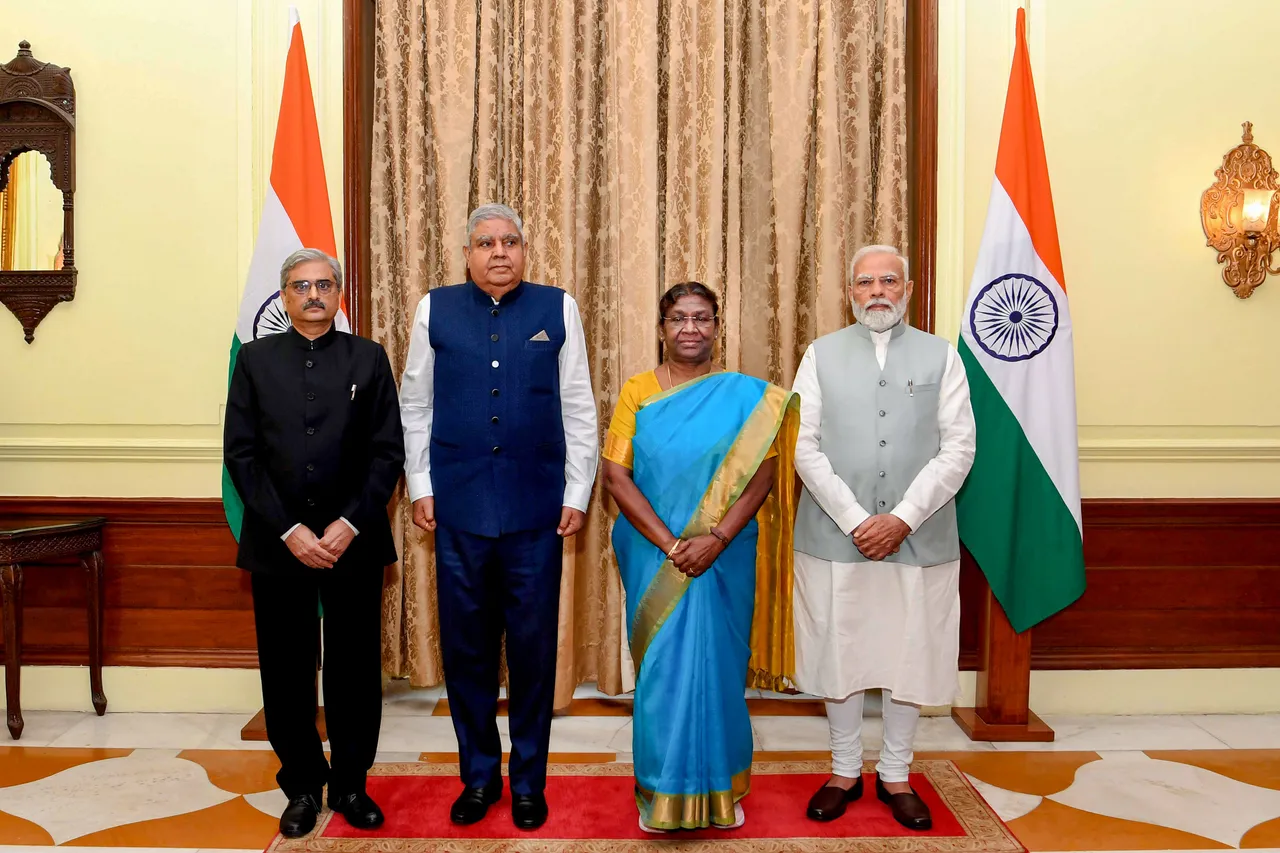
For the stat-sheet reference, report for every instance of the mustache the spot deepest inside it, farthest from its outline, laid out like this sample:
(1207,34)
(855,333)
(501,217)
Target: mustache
(887,303)
(312,303)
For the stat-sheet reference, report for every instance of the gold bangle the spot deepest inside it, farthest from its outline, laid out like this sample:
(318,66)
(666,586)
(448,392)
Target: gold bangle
(674,548)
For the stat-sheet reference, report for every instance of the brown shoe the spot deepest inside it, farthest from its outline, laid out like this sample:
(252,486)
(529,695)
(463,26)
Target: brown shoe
(829,802)
(908,809)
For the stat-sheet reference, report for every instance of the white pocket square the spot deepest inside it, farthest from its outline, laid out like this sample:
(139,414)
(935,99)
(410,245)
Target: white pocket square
(541,336)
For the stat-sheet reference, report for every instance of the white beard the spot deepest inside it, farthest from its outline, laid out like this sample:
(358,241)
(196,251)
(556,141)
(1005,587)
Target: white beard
(880,321)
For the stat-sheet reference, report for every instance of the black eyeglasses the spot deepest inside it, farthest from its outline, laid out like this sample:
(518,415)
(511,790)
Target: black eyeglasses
(302,287)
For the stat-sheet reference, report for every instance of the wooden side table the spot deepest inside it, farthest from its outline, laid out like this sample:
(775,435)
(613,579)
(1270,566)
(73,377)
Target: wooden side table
(34,540)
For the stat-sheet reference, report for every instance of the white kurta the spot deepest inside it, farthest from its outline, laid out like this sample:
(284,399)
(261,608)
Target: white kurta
(881,625)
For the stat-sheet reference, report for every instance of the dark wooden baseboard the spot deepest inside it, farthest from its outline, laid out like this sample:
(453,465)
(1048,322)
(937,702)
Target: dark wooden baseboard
(174,596)
(1171,584)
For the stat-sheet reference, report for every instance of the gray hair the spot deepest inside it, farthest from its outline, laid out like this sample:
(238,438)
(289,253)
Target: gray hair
(493,211)
(306,256)
(879,250)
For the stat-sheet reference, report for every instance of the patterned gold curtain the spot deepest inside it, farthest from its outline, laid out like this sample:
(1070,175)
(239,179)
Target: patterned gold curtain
(752,145)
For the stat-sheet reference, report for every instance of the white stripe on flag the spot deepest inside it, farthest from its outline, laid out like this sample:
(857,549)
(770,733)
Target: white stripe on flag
(1039,391)
(277,239)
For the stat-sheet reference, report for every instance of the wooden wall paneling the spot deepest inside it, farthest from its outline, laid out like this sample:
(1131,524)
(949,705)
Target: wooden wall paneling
(173,594)
(1171,583)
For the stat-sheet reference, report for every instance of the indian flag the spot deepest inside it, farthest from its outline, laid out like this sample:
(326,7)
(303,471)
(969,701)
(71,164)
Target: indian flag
(295,214)
(1019,511)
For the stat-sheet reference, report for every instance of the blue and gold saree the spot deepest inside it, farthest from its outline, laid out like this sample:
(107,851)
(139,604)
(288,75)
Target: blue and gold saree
(698,643)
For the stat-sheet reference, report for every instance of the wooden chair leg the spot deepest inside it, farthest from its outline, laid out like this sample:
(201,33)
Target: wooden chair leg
(11,584)
(93,564)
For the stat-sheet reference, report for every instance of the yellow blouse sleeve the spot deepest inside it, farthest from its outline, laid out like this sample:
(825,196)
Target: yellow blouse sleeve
(617,443)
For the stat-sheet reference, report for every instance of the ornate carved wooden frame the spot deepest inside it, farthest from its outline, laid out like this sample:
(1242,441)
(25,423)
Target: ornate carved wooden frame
(38,113)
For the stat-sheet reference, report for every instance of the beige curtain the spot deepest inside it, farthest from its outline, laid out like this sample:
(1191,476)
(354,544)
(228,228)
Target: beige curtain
(752,145)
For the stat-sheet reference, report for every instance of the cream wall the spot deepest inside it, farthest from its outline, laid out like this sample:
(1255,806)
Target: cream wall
(1177,379)
(121,393)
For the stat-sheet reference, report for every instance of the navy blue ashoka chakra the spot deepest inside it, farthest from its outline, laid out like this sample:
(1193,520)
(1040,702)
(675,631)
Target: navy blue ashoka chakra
(271,318)
(1014,317)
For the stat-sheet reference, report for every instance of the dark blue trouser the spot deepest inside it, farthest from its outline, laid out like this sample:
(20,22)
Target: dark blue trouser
(486,585)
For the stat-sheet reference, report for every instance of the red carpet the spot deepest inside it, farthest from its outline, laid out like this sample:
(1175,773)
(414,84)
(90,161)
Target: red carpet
(593,807)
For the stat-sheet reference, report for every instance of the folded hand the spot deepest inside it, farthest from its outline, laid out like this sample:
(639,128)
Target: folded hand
(880,535)
(309,550)
(696,555)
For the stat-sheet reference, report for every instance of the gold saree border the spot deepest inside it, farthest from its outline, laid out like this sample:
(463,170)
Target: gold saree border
(619,450)
(773,640)
(693,811)
(736,470)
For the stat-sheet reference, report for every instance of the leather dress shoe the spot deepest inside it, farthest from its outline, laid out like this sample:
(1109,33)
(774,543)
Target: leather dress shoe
(908,809)
(473,803)
(358,808)
(528,811)
(830,802)
(299,816)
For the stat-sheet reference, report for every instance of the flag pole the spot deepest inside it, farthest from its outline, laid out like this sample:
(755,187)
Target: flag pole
(1002,710)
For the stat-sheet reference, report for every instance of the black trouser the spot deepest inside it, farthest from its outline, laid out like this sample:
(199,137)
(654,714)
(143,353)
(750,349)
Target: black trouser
(486,585)
(286,613)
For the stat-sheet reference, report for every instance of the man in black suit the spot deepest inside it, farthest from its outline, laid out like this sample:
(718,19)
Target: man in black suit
(313,445)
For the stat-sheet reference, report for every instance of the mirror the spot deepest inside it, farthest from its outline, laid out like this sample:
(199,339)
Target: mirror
(30,216)
(37,187)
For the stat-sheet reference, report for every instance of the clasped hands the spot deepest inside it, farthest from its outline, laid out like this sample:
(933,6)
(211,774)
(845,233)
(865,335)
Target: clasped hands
(880,535)
(323,552)
(424,516)
(695,556)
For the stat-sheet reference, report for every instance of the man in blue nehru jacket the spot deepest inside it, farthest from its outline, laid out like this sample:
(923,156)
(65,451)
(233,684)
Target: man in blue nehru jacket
(500,438)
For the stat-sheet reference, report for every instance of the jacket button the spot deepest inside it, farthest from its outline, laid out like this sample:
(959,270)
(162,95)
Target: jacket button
(881,473)
(310,396)
(497,449)
(311,467)
(494,363)
(493,419)
(310,502)
(494,392)
(311,430)
(882,383)
(882,504)
(494,312)
(882,413)
(309,363)
(882,442)
(493,338)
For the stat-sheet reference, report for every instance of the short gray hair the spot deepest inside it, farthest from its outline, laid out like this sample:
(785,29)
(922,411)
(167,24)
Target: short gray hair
(306,256)
(493,211)
(879,250)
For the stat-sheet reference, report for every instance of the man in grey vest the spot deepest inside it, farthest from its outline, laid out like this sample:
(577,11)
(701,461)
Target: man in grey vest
(886,439)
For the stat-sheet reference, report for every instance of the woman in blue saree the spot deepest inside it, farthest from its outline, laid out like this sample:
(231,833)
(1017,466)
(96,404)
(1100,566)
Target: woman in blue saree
(699,461)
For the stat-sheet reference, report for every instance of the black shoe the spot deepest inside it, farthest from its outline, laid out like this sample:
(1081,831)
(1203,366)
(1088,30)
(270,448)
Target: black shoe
(473,804)
(299,816)
(829,802)
(359,810)
(908,809)
(528,811)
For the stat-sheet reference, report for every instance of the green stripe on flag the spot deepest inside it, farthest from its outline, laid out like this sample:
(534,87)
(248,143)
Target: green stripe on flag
(232,506)
(1011,515)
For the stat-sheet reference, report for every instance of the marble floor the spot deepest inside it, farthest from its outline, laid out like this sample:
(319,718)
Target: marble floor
(139,782)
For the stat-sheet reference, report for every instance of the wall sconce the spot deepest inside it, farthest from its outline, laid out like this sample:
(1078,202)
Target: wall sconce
(1238,214)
